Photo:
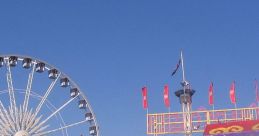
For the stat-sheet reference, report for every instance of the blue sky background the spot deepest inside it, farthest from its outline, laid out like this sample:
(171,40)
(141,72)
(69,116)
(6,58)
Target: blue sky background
(113,48)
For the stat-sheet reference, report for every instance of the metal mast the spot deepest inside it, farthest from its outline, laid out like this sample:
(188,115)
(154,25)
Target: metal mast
(185,97)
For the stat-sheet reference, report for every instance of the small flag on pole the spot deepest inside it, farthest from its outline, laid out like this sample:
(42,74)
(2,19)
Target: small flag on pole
(144,95)
(177,67)
(256,91)
(232,93)
(211,99)
(166,96)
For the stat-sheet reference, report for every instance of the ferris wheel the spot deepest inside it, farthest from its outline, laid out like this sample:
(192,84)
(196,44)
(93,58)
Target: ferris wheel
(37,99)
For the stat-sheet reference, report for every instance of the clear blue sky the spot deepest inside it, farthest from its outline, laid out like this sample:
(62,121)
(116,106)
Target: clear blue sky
(112,48)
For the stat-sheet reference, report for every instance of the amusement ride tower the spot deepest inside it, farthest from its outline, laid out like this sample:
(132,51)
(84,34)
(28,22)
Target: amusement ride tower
(185,97)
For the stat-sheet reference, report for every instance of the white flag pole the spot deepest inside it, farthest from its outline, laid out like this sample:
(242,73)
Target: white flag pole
(182,66)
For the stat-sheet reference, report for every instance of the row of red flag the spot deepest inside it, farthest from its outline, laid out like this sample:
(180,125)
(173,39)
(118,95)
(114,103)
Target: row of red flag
(232,94)
(166,97)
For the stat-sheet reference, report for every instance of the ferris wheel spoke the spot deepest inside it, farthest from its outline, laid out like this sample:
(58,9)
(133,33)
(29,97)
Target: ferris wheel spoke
(46,95)
(61,128)
(54,113)
(3,120)
(17,118)
(42,129)
(20,114)
(10,117)
(13,119)
(4,126)
(23,119)
(27,119)
(44,99)
(28,89)
(6,118)
(4,132)
(27,96)
(10,87)
(35,122)
(25,112)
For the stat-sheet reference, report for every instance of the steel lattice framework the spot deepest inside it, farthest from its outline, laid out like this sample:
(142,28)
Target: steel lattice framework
(173,123)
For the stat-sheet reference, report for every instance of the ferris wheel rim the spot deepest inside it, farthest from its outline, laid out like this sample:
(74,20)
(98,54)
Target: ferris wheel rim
(62,74)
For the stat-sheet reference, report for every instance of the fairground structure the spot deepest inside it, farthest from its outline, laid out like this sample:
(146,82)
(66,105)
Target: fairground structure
(224,122)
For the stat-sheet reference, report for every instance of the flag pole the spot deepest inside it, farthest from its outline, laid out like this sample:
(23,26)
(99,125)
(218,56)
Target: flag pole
(169,109)
(213,114)
(256,97)
(182,66)
(235,100)
(213,108)
(233,95)
(145,106)
(211,94)
(184,81)
(147,119)
(236,110)
(169,112)
(256,92)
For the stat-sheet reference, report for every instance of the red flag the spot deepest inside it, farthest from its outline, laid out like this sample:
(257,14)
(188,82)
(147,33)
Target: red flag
(211,99)
(256,91)
(232,93)
(166,96)
(144,94)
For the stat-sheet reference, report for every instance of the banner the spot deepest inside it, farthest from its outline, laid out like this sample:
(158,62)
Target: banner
(166,96)
(144,95)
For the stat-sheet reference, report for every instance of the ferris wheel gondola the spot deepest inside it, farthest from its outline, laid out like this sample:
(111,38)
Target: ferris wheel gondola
(39,111)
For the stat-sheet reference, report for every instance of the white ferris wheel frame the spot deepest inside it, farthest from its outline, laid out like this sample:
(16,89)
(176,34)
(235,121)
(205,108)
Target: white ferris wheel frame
(19,115)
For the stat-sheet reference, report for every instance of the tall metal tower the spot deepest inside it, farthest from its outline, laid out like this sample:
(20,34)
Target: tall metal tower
(185,97)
